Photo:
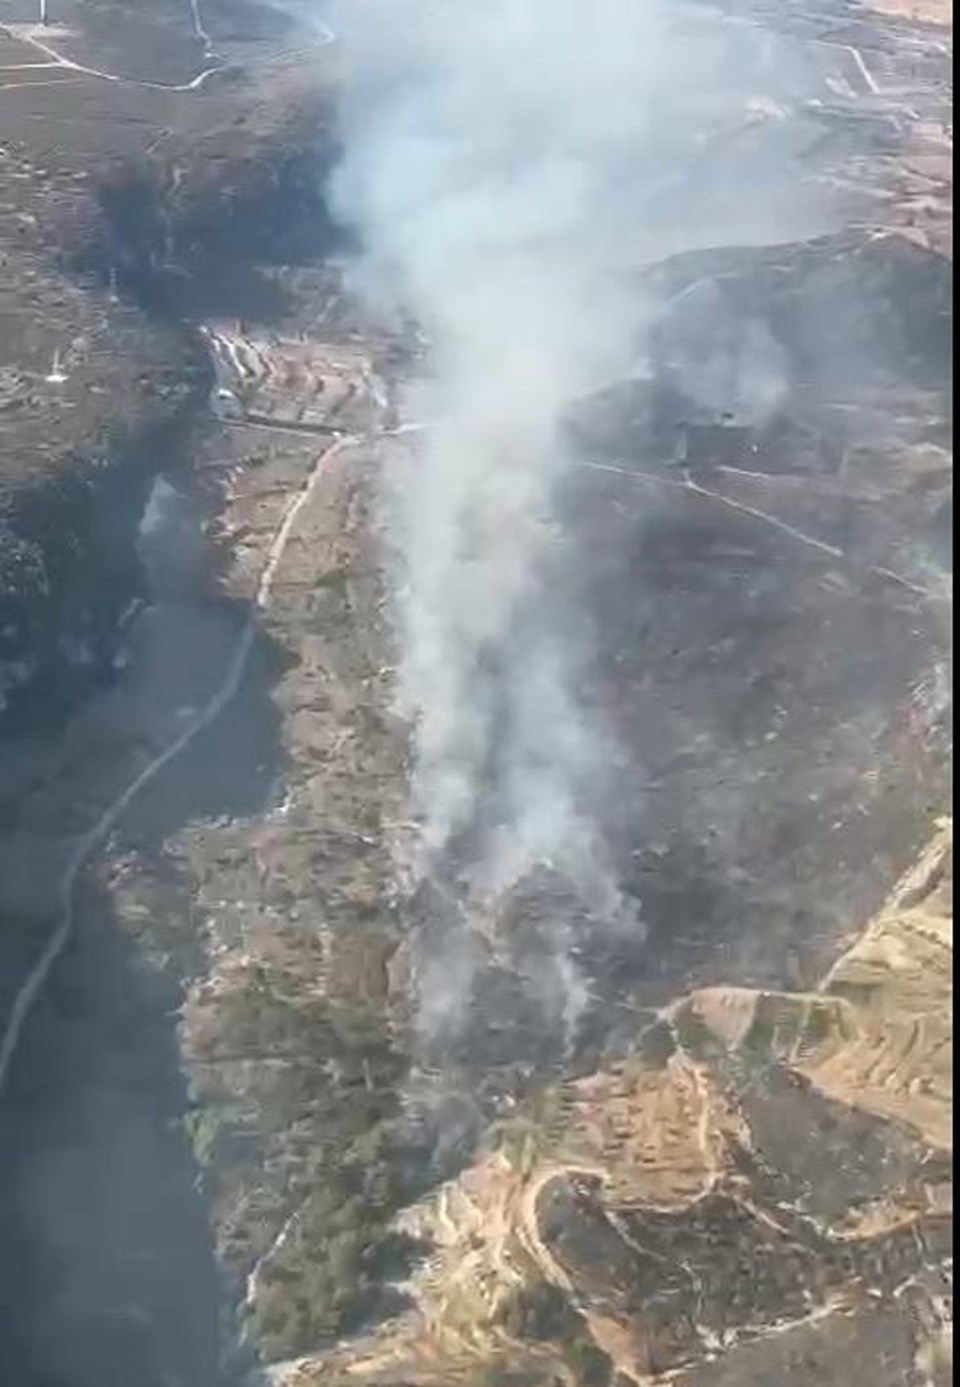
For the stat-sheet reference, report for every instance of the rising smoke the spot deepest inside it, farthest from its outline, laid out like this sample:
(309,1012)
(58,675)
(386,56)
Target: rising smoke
(510,166)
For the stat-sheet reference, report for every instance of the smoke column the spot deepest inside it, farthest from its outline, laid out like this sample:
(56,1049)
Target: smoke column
(509,165)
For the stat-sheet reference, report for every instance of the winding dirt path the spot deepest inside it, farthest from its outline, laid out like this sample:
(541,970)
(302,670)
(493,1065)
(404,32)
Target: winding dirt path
(766,518)
(32,36)
(94,838)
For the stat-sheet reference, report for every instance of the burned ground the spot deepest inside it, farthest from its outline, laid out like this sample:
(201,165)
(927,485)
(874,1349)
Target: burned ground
(231,1033)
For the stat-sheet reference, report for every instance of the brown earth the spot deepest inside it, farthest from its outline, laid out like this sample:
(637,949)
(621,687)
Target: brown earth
(637,1212)
(219,1107)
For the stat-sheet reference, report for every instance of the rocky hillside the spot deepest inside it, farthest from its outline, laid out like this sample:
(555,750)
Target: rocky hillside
(759,1191)
(143,176)
(226,1152)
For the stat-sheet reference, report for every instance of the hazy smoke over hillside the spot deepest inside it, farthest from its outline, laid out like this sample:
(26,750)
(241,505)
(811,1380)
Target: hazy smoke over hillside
(509,165)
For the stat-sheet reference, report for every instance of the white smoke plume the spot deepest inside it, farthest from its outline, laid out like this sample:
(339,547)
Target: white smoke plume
(509,166)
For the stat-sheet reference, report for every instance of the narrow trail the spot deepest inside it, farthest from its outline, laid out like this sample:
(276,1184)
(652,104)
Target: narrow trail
(32,36)
(255,1275)
(27,34)
(687,484)
(94,838)
(529,1224)
(765,517)
(196,17)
